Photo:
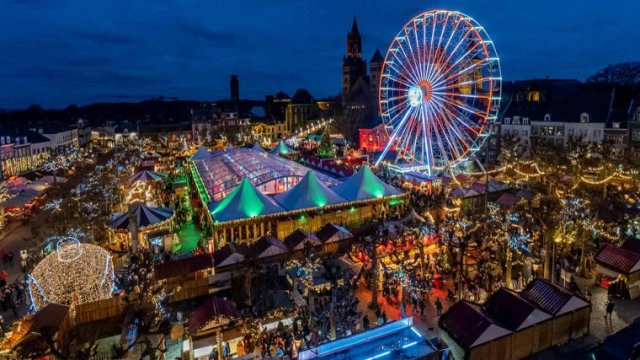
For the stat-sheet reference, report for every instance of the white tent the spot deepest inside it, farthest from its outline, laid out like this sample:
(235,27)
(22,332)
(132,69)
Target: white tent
(364,185)
(310,192)
(245,201)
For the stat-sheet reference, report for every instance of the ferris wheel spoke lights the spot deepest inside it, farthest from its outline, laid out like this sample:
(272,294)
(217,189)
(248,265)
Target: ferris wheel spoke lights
(439,90)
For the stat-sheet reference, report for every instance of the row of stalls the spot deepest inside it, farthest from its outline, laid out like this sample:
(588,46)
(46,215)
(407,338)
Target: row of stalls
(511,325)
(202,274)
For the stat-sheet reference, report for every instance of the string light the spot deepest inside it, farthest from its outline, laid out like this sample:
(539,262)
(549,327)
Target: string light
(74,273)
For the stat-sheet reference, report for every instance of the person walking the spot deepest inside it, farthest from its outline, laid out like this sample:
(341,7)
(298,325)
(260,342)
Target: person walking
(609,308)
(438,307)
(422,306)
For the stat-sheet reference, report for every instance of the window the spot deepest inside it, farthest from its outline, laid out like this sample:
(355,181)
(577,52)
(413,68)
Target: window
(615,125)
(547,117)
(525,121)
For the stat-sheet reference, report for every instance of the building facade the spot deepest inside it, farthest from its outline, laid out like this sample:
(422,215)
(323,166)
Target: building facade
(301,111)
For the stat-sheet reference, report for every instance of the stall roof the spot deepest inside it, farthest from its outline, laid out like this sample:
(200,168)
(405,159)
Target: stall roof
(184,266)
(364,185)
(512,311)
(211,309)
(618,259)
(230,254)
(332,232)
(296,240)
(267,246)
(551,298)
(469,325)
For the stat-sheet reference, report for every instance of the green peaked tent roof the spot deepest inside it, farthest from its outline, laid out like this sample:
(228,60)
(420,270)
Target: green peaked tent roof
(364,185)
(245,201)
(308,193)
(201,154)
(281,148)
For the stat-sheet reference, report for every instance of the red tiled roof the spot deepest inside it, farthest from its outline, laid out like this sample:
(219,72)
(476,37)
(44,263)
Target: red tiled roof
(183,266)
(618,259)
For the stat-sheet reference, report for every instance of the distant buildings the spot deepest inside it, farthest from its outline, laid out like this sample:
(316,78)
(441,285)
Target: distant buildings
(301,111)
(559,112)
(24,149)
(276,106)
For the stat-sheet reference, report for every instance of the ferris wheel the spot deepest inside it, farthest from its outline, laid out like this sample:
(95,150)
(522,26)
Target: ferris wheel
(439,91)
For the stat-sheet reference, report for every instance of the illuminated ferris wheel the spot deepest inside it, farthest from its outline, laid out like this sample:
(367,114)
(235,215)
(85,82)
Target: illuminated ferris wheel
(439,91)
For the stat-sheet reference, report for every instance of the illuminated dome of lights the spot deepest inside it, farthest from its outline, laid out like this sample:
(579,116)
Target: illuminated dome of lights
(73,273)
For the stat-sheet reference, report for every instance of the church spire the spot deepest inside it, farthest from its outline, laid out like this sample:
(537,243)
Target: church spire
(354,42)
(354,27)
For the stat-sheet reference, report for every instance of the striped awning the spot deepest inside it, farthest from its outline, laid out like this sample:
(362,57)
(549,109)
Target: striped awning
(146,176)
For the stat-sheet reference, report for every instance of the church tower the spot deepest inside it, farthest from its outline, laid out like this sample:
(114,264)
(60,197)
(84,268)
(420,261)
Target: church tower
(354,42)
(353,67)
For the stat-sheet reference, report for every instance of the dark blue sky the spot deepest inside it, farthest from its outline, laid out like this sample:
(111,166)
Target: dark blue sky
(55,53)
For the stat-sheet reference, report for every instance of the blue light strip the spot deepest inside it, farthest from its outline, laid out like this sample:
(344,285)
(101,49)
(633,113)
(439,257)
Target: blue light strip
(379,355)
(409,344)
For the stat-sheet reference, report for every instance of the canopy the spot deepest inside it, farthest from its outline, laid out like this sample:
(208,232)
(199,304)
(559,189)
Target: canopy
(310,192)
(281,149)
(146,176)
(364,185)
(145,215)
(201,154)
(245,201)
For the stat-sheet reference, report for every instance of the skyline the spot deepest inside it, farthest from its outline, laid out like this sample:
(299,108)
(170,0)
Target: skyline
(79,53)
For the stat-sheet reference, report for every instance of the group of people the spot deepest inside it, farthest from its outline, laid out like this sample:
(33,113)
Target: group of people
(139,274)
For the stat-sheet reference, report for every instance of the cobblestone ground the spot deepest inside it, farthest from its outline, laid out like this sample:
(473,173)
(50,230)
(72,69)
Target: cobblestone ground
(624,311)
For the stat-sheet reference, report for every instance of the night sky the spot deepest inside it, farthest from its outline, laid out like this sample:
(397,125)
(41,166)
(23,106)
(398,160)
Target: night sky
(56,53)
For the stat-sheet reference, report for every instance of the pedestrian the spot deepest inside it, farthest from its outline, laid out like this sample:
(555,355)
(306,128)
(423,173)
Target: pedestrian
(414,300)
(438,307)
(422,306)
(609,308)
(365,322)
